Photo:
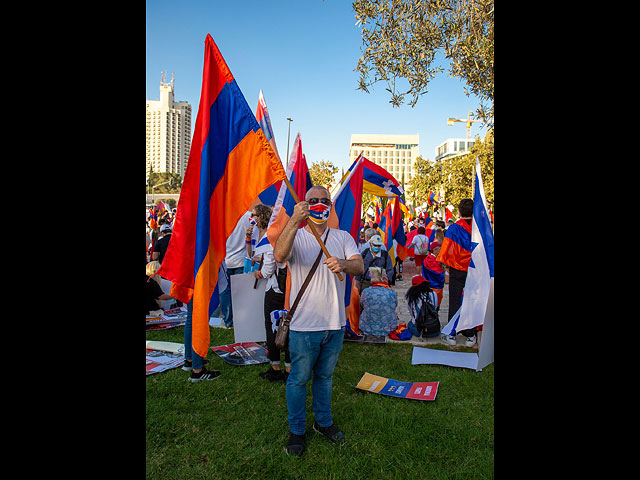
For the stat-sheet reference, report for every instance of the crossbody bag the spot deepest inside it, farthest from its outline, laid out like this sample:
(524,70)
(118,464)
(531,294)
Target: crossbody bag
(282,335)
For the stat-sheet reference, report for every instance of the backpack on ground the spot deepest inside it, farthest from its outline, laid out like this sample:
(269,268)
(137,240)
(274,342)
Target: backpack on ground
(427,321)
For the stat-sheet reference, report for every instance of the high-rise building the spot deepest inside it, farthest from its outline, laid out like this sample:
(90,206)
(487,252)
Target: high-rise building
(168,132)
(395,153)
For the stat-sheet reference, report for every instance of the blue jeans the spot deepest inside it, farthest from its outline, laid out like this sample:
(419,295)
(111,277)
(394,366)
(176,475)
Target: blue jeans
(225,306)
(189,354)
(317,352)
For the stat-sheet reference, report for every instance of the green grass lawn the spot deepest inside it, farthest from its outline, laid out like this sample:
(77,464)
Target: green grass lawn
(235,427)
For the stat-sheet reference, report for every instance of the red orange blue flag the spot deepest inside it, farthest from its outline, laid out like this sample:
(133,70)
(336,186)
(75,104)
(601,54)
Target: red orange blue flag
(300,179)
(230,163)
(347,203)
(270,195)
(392,226)
(345,215)
(376,180)
(455,250)
(434,273)
(448,213)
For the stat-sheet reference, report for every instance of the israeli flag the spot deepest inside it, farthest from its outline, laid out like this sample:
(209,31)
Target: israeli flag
(276,315)
(480,273)
(263,246)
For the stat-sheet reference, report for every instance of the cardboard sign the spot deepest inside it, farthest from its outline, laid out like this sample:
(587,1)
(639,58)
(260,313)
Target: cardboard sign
(395,388)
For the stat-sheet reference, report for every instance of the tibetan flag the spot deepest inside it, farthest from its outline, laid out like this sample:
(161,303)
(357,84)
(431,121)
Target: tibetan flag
(456,246)
(230,163)
(269,196)
(480,273)
(300,179)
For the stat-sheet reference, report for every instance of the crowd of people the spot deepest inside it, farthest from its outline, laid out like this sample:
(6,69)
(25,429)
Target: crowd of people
(317,329)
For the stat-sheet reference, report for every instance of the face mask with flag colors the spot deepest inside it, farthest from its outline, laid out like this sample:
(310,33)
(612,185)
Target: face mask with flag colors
(319,213)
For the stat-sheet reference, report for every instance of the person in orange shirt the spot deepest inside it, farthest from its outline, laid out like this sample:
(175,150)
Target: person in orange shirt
(455,252)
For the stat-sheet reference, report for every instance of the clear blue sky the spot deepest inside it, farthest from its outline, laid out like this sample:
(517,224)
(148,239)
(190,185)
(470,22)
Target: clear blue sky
(301,54)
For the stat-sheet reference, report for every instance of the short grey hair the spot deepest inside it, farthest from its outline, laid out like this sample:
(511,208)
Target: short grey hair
(316,187)
(370,232)
(376,274)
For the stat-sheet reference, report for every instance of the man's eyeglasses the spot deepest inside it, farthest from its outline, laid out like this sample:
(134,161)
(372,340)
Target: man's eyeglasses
(324,201)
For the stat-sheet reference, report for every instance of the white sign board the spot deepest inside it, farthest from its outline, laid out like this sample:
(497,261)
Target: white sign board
(248,308)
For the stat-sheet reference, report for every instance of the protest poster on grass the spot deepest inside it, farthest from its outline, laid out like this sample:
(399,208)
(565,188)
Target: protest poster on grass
(395,388)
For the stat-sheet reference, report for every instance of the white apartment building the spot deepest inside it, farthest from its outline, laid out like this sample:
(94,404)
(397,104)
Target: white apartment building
(452,147)
(395,153)
(168,132)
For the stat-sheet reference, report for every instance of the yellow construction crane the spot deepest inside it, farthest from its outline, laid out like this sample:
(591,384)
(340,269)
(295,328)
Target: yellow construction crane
(468,120)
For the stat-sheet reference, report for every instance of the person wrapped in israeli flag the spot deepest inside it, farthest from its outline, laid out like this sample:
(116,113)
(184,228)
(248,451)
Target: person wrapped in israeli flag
(480,274)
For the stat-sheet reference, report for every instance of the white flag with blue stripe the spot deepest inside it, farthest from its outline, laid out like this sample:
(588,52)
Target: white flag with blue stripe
(478,283)
(263,246)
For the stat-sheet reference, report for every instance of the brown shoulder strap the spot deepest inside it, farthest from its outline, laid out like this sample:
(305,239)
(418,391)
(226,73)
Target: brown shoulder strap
(307,280)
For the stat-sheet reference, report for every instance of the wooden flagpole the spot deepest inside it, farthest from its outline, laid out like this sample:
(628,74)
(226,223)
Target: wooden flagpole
(310,224)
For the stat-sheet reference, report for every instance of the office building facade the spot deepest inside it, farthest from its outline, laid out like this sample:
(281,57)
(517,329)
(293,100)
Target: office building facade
(395,153)
(452,147)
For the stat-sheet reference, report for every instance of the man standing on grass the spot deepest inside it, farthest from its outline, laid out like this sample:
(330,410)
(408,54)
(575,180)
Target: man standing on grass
(317,327)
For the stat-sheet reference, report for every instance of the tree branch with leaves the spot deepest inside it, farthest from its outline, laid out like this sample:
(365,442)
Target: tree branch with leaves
(401,39)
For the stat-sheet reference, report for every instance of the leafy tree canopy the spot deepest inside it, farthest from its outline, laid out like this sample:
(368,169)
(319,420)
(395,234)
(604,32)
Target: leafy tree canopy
(164,182)
(402,37)
(322,173)
(453,177)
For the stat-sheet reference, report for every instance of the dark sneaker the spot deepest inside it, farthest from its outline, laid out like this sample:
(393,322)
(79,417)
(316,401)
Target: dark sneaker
(295,445)
(272,375)
(332,432)
(204,374)
(187,365)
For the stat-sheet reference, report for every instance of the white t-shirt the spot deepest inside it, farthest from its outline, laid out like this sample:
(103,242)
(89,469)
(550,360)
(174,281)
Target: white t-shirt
(322,304)
(420,240)
(236,248)
(269,270)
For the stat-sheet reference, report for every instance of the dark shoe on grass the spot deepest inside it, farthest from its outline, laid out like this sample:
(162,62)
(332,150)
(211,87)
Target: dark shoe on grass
(187,365)
(203,374)
(272,375)
(295,445)
(332,432)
